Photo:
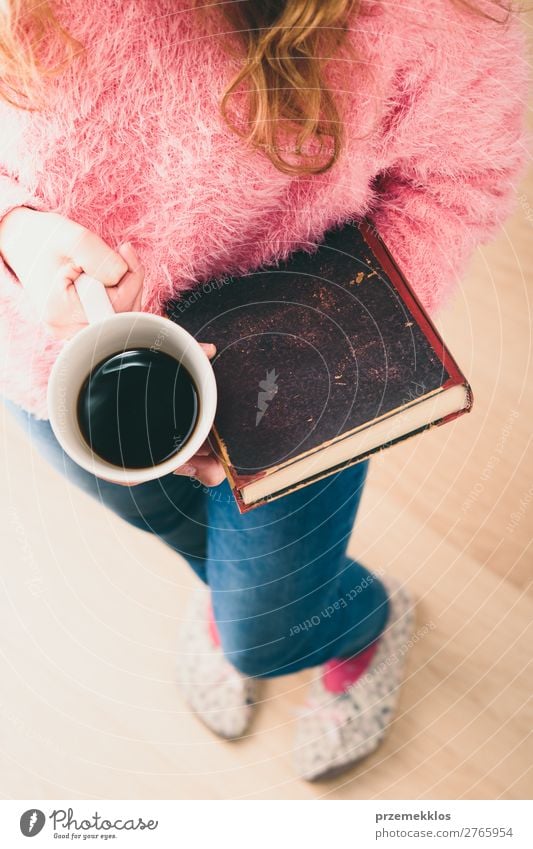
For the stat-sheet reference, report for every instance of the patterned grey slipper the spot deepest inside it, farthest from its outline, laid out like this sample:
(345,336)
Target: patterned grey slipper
(219,694)
(336,730)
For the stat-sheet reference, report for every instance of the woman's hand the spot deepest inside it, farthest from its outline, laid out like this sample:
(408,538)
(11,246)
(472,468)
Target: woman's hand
(204,465)
(48,252)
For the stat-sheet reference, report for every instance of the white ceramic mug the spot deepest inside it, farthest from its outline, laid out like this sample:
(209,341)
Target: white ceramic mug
(108,333)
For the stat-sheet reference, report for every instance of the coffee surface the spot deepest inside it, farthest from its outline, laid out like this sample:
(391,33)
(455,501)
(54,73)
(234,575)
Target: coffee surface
(137,408)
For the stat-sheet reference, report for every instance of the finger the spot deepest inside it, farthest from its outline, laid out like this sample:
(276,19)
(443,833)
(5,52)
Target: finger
(208,470)
(97,259)
(128,253)
(209,349)
(62,306)
(127,295)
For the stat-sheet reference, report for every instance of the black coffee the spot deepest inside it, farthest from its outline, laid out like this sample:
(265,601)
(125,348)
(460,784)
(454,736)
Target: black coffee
(137,408)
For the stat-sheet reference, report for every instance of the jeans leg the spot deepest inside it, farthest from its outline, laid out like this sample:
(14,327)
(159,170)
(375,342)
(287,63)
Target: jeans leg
(285,594)
(171,507)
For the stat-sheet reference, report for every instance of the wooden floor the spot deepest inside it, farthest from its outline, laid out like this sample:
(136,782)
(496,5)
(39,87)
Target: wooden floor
(90,607)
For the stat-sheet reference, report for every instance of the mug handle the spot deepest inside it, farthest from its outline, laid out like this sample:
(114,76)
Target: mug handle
(94,298)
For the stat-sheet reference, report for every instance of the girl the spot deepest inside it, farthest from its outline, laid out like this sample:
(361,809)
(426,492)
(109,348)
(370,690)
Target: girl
(156,144)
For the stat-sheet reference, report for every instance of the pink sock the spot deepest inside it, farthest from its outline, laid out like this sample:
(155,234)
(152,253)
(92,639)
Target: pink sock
(212,625)
(340,674)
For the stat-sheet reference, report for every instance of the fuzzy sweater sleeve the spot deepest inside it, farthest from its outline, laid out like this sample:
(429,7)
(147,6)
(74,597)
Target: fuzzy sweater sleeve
(458,131)
(12,194)
(24,344)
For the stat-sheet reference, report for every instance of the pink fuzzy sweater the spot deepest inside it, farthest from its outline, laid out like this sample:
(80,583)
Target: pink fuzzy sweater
(133,147)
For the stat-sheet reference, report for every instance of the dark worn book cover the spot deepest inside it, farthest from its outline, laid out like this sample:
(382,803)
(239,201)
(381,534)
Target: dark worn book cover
(313,348)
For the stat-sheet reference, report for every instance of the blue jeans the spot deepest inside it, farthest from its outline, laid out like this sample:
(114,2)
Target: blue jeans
(285,595)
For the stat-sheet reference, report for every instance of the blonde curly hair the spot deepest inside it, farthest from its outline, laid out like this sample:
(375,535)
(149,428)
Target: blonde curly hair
(284,44)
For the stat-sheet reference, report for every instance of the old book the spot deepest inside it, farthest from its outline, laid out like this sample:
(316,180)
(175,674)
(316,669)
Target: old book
(321,361)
